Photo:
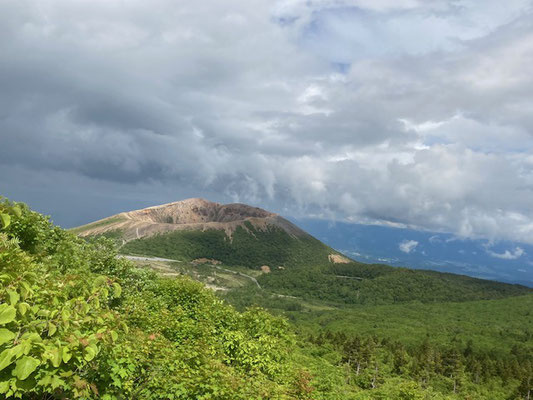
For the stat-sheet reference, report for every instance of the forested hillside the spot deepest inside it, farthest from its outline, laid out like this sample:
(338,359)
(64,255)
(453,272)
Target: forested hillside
(357,283)
(248,247)
(76,322)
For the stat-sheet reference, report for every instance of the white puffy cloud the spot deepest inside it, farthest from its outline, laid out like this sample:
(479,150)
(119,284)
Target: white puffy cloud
(303,107)
(507,254)
(408,246)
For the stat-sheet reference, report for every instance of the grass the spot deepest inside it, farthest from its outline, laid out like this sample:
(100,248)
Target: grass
(97,224)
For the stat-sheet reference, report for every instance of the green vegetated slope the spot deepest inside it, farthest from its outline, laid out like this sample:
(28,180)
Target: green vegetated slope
(480,349)
(104,222)
(357,283)
(495,325)
(400,304)
(78,322)
(248,247)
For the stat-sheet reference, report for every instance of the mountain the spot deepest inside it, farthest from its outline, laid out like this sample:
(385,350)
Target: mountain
(234,234)
(190,214)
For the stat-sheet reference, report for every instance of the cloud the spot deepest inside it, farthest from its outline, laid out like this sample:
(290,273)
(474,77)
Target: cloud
(407,246)
(303,107)
(508,255)
(435,239)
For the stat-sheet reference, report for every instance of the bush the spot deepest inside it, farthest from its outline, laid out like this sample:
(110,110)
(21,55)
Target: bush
(78,322)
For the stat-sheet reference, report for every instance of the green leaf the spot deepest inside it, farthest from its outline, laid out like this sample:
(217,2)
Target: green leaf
(66,355)
(114,336)
(6,358)
(7,314)
(51,329)
(6,336)
(90,353)
(26,386)
(57,382)
(45,381)
(14,297)
(4,387)
(26,346)
(17,211)
(65,314)
(17,350)
(57,356)
(23,308)
(25,289)
(117,290)
(100,281)
(25,366)
(32,337)
(6,219)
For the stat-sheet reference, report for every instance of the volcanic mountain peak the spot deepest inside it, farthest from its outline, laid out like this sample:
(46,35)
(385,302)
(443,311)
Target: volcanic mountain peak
(190,214)
(197,211)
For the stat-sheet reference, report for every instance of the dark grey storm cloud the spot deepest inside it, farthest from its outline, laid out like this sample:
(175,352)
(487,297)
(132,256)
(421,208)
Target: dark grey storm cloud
(404,112)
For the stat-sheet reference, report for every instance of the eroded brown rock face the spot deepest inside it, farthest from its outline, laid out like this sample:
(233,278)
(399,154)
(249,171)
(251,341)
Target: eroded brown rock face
(194,211)
(265,269)
(190,214)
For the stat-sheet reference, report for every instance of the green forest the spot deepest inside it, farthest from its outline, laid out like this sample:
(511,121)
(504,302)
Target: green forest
(246,247)
(78,322)
(357,283)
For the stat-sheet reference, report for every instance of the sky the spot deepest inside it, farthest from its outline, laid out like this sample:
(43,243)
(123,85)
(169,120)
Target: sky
(404,113)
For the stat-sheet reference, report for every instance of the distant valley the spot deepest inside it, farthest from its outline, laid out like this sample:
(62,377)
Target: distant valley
(503,261)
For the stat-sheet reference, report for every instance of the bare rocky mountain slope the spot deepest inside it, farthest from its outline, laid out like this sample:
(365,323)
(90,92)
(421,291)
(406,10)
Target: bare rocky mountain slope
(191,214)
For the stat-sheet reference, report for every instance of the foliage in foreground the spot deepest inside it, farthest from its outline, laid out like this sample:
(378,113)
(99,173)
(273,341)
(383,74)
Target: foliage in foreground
(78,322)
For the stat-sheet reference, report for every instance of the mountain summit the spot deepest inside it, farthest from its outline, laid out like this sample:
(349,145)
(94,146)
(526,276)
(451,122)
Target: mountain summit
(196,210)
(194,214)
